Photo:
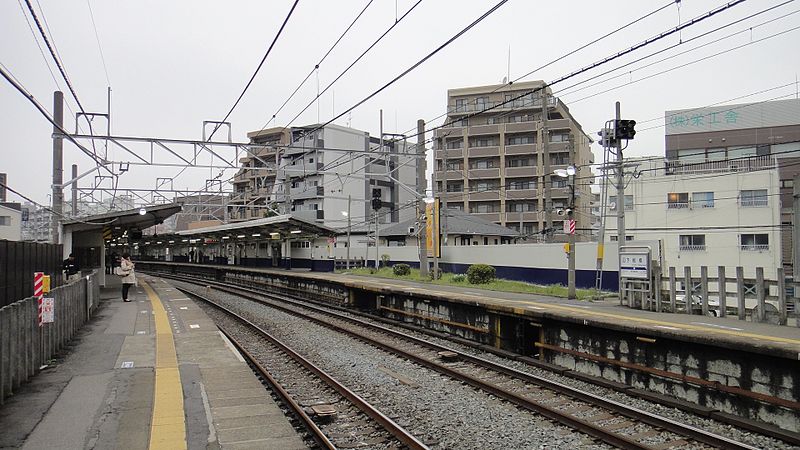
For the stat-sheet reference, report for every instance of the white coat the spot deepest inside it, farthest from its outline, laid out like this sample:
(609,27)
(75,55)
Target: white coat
(127,266)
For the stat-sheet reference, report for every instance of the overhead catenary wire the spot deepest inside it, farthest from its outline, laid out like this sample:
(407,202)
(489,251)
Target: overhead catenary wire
(97,38)
(28,199)
(317,66)
(258,68)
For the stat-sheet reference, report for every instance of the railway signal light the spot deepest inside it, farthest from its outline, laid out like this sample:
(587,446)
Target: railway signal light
(623,129)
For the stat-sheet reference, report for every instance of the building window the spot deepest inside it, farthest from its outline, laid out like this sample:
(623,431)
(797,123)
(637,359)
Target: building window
(520,140)
(615,238)
(525,161)
(692,242)
(5,221)
(559,137)
(483,186)
(702,199)
(612,200)
(455,187)
(677,200)
(519,118)
(753,198)
(481,103)
(484,208)
(457,164)
(461,105)
(483,142)
(455,143)
(484,164)
(787,184)
(754,242)
(520,207)
(517,185)
(460,123)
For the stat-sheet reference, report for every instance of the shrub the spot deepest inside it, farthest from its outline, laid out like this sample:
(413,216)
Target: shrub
(459,278)
(385,260)
(480,274)
(401,270)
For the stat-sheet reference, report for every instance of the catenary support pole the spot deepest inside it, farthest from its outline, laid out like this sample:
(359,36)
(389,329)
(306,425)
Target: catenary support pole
(75,190)
(422,184)
(58,161)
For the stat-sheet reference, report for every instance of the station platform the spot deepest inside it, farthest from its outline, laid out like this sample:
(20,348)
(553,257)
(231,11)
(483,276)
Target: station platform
(728,332)
(151,373)
(608,313)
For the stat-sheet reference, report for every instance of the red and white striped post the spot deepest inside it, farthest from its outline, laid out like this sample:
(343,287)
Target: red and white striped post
(38,291)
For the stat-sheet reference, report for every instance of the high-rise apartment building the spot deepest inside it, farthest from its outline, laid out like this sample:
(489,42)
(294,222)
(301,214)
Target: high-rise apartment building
(321,174)
(497,153)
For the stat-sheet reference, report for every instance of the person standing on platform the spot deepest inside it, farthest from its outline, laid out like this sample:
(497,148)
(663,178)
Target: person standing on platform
(72,270)
(125,270)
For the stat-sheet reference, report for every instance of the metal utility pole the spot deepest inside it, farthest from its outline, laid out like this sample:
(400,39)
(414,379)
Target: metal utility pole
(378,210)
(571,294)
(546,180)
(434,230)
(422,184)
(58,156)
(620,199)
(620,186)
(349,200)
(75,190)
(796,230)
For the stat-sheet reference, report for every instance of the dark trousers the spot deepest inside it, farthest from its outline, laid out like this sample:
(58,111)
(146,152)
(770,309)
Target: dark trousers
(125,288)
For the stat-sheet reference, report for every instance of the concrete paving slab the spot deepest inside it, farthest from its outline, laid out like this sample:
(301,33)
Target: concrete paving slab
(282,444)
(68,421)
(254,433)
(139,350)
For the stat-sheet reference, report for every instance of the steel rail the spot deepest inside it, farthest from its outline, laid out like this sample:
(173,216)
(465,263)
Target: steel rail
(318,434)
(654,420)
(388,424)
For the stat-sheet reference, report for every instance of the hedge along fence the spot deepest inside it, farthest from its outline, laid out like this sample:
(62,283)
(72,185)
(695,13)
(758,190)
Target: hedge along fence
(25,346)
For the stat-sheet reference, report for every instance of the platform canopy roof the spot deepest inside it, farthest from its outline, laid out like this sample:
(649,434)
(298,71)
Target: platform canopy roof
(281,226)
(120,221)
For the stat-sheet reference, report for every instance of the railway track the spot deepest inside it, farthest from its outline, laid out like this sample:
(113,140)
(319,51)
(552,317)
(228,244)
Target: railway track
(605,420)
(340,418)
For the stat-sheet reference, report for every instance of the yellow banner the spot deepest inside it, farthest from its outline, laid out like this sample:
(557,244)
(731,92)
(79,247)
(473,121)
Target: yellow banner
(431,225)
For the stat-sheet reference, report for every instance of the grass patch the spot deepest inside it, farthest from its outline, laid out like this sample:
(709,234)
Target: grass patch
(499,285)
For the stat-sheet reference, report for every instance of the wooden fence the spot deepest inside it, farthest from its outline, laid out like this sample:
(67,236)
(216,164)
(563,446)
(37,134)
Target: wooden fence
(758,299)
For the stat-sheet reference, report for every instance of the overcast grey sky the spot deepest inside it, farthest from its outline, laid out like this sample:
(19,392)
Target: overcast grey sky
(174,64)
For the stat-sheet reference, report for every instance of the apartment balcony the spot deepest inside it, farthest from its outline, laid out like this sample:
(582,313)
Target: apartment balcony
(557,147)
(450,153)
(522,126)
(454,196)
(450,131)
(484,129)
(520,194)
(692,248)
(558,124)
(754,247)
(449,175)
(520,149)
(491,217)
(486,195)
(484,151)
(525,216)
(484,173)
(737,165)
(527,171)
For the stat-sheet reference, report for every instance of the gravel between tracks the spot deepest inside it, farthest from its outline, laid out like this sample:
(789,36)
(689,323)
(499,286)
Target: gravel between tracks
(443,413)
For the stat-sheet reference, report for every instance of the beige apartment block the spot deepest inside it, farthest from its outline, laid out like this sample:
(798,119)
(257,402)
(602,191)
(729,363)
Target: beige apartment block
(497,153)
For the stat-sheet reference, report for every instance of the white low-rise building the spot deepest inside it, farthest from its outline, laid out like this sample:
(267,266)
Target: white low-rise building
(10,221)
(715,213)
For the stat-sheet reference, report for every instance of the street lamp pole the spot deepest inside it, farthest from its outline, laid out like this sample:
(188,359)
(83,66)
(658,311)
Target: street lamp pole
(570,173)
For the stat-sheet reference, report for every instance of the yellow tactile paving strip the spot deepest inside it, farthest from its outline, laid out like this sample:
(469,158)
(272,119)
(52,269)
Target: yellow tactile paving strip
(168,426)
